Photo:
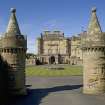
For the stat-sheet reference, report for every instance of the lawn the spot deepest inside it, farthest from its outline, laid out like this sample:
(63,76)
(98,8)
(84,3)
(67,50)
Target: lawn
(44,71)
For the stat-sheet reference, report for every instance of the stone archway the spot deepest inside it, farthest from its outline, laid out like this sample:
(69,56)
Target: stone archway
(52,60)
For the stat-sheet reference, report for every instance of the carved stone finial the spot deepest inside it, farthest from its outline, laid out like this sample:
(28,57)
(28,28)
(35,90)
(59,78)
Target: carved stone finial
(13,10)
(94,9)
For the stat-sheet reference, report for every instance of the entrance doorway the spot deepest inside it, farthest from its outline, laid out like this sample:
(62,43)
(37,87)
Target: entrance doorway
(52,60)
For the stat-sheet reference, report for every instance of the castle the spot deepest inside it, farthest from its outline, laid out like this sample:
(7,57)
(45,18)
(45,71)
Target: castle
(88,47)
(54,47)
(13,46)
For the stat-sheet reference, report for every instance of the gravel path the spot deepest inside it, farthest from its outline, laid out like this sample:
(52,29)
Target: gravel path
(57,91)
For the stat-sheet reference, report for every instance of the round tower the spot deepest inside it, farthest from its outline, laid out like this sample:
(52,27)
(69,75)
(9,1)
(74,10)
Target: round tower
(14,46)
(94,58)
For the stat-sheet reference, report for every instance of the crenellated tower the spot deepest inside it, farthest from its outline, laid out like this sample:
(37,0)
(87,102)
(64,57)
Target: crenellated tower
(13,51)
(94,57)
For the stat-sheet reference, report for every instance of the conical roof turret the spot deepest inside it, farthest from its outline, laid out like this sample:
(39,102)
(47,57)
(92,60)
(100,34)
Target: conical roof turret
(94,25)
(13,27)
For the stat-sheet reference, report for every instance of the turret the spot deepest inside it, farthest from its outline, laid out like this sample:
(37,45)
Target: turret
(14,46)
(94,58)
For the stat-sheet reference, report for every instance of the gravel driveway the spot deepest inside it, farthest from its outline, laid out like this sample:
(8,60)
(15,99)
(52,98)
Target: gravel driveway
(57,91)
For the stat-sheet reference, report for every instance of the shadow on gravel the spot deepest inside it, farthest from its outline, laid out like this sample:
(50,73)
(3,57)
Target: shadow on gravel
(35,96)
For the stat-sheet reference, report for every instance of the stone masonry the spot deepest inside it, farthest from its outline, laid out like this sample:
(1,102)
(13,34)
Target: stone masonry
(54,47)
(94,58)
(13,50)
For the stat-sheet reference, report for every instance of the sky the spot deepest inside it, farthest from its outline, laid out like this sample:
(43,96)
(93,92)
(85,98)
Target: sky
(36,16)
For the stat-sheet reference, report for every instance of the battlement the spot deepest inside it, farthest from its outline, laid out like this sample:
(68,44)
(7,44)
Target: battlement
(14,41)
(12,50)
(96,48)
(52,34)
(96,40)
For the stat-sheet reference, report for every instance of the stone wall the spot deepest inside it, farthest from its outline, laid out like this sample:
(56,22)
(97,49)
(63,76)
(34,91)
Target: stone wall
(94,70)
(54,44)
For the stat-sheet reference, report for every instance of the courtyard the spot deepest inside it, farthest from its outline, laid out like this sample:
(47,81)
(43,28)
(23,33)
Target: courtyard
(56,90)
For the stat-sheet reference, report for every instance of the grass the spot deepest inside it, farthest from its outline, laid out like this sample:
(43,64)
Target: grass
(44,71)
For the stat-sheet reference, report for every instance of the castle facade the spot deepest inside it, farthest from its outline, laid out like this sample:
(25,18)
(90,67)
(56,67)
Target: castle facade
(54,47)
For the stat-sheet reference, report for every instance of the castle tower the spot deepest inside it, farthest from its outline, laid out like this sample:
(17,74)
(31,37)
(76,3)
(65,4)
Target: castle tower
(40,45)
(14,46)
(94,58)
